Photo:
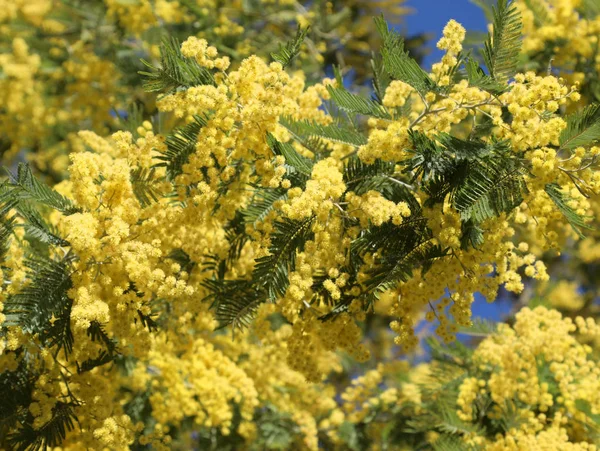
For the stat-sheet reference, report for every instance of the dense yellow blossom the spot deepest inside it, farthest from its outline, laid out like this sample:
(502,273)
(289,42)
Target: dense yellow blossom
(224,207)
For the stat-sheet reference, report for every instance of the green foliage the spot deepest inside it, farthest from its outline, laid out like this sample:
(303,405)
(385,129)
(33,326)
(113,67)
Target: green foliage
(396,268)
(131,119)
(180,145)
(7,223)
(25,186)
(295,161)
(262,204)
(491,187)
(478,78)
(502,48)
(97,334)
(479,328)
(449,443)
(271,272)
(487,7)
(233,301)
(43,306)
(276,430)
(51,434)
(591,8)
(144,186)
(583,128)
(175,71)
(286,54)
(483,179)
(561,200)
(355,104)
(593,424)
(471,235)
(381,79)
(380,176)
(302,130)
(403,248)
(397,62)
(37,228)
(455,354)
(353,436)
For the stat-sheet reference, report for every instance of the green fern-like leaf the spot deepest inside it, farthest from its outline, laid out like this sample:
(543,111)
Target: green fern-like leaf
(381,79)
(379,176)
(36,227)
(471,235)
(7,219)
(561,200)
(49,435)
(492,186)
(180,145)
(429,158)
(131,119)
(302,130)
(503,46)
(89,364)
(450,443)
(478,78)
(487,7)
(272,271)
(175,71)
(397,62)
(392,238)
(583,128)
(479,328)
(97,333)
(262,204)
(286,54)
(591,8)
(355,104)
(395,268)
(26,186)
(298,162)
(456,354)
(233,301)
(44,305)
(450,423)
(144,186)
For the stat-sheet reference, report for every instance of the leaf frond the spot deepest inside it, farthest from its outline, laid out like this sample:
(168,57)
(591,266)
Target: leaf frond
(306,129)
(272,271)
(503,45)
(397,62)
(561,200)
(180,145)
(286,54)
(355,104)
(44,305)
(144,186)
(50,434)
(175,71)
(28,187)
(583,128)
(298,162)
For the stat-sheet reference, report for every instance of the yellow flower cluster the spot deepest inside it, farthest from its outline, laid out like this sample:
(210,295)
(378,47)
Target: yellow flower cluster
(373,208)
(324,188)
(565,28)
(537,366)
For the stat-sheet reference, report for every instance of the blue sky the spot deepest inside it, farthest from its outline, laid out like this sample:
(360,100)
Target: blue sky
(430,16)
